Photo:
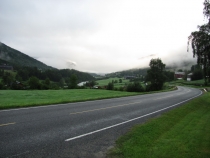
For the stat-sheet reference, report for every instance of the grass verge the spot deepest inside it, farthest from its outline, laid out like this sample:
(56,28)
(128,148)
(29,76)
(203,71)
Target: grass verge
(182,132)
(27,98)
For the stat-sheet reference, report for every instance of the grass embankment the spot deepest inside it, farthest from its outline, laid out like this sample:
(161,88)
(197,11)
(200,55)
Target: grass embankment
(23,98)
(182,132)
(26,98)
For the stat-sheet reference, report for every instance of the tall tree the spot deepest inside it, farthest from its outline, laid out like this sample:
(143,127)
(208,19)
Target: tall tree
(200,42)
(155,74)
(73,81)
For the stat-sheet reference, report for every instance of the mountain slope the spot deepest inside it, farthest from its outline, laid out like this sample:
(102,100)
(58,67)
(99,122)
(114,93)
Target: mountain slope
(16,57)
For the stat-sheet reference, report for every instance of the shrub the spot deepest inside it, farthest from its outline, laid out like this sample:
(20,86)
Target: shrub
(110,86)
(135,87)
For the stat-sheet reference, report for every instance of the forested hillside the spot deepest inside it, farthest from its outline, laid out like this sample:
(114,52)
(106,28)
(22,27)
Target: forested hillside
(54,75)
(17,58)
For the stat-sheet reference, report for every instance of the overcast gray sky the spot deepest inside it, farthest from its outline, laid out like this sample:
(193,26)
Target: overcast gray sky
(100,35)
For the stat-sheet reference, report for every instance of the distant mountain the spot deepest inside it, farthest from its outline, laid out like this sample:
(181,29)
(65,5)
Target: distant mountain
(131,72)
(184,65)
(96,75)
(17,58)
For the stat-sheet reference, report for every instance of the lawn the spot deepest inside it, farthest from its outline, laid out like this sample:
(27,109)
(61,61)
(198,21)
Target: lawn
(182,132)
(196,84)
(24,98)
(106,81)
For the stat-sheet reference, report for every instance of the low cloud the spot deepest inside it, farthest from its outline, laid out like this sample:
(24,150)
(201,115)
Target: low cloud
(71,64)
(148,56)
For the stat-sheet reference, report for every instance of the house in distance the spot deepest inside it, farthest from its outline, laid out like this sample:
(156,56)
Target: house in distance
(179,75)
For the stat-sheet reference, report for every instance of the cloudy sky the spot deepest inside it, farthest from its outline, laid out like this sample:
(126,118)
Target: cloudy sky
(100,35)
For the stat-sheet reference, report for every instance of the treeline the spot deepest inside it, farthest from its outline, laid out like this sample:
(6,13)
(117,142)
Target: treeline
(153,81)
(132,72)
(54,75)
(34,78)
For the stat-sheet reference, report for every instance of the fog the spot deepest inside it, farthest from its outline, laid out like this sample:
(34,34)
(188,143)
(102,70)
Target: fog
(100,36)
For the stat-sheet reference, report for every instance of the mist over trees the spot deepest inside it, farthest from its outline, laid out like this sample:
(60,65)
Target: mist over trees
(200,42)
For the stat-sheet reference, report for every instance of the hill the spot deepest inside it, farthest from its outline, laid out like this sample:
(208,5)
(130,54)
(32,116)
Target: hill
(184,65)
(27,67)
(17,58)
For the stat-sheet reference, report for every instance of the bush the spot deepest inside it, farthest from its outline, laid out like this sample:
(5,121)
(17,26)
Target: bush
(34,83)
(110,86)
(121,89)
(135,87)
(116,89)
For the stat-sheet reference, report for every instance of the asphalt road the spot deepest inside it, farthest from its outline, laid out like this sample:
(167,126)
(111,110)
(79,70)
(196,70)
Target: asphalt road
(85,129)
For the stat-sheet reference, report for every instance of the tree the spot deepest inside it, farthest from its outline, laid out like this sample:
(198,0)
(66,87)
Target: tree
(7,79)
(110,86)
(200,42)
(46,84)
(197,75)
(73,81)
(34,83)
(90,84)
(135,87)
(155,74)
(1,72)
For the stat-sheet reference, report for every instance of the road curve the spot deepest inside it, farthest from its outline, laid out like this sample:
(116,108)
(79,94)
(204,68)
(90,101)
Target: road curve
(85,129)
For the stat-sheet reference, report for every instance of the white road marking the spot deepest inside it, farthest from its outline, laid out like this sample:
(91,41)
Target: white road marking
(103,108)
(103,129)
(7,124)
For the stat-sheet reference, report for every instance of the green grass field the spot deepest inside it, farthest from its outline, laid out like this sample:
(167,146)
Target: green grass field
(195,84)
(24,98)
(106,81)
(182,132)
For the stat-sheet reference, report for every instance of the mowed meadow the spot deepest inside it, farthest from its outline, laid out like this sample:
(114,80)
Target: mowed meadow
(25,98)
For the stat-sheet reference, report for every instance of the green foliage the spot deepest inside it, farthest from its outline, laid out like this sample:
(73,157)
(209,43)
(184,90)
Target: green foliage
(131,72)
(197,75)
(169,76)
(106,81)
(155,74)
(7,79)
(1,72)
(34,83)
(1,85)
(27,67)
(110,86)
(73,82)
(45,84)
(135,87)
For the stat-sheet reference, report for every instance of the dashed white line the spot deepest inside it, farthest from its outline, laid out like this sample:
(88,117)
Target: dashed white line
(103,129)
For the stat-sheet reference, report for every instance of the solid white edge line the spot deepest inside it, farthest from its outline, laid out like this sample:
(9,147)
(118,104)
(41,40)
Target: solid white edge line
(93,132)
